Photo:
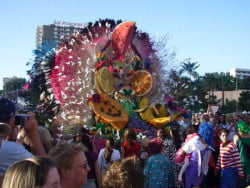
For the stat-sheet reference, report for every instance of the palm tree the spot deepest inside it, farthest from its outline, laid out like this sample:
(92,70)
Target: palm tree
(190,67)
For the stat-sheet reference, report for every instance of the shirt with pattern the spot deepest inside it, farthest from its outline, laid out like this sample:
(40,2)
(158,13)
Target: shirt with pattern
(159,172)
(229,157)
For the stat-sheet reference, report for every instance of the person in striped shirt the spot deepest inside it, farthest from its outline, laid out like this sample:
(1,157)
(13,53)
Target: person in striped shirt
(229,162)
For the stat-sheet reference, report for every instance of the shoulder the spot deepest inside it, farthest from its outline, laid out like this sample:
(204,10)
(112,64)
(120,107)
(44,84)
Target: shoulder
(12,147)
(12,151)
(115,151)
(102,151)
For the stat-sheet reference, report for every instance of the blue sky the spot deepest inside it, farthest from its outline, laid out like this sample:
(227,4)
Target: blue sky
(216,33)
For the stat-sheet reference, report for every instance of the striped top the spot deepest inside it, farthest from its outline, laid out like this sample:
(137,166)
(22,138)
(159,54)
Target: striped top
(229,157)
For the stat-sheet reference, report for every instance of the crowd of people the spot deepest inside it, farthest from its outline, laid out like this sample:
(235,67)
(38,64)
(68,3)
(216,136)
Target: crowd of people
(207,150)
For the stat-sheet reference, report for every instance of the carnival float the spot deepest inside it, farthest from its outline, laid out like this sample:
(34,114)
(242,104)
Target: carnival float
(108,74)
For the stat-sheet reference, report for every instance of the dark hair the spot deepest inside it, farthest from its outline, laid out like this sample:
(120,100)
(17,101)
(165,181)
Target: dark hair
(109,149)
(130,135)
(154,146)
(190,130)
(165,132)
(224,130)
(7,108)
(87,142)
(126,173)
(176,137)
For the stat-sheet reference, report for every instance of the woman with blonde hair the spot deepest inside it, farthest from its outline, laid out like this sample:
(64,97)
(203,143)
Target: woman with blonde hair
(37,172)
(126,173)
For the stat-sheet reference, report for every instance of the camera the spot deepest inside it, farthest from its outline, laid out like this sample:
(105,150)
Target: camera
(20,119)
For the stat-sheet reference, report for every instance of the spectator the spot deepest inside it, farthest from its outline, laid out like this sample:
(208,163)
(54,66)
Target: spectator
(194,150)
(71,163)
(108,155)
(169,149)
(158,170)
(11,151)
(45,137)
(94,175)
(130,146)
(242,140)
(228,162)
(126,173)
(31,173)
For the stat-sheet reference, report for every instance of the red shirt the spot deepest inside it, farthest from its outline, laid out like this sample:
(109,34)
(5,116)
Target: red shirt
(133,149)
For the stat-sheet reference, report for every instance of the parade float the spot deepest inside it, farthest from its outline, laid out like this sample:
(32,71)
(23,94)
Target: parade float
(107,77)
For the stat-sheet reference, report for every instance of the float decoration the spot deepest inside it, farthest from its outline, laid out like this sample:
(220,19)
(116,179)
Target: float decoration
(116,62)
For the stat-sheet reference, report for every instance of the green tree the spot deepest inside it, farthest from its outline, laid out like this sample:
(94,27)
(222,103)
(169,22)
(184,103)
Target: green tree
(229,106)
(190,67)
(14,84)
(209,80)
(244,101)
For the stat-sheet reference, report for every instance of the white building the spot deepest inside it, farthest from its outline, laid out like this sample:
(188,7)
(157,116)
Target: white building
(240,73)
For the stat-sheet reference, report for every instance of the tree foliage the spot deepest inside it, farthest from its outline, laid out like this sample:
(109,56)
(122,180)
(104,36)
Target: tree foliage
(14,84)
(244,101)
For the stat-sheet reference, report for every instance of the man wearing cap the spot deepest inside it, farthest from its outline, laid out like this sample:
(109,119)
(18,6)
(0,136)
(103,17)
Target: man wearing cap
(10,151)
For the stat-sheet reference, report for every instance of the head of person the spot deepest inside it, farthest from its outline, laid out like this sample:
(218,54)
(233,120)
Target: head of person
(161,133)
(214,121)
(87,142)
(4,132)
(224,135)
(126,173)
(37,172)
(129,135)
(206,131)
(154,146)
(222,119)
(190,130)
(46,138)
(175,134)
(243,128)
(71,163)
(80,133)
(109,146)
(7,115)
(205,117)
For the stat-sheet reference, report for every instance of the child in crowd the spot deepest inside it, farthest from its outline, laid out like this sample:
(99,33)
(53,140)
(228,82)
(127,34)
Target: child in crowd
(229,162)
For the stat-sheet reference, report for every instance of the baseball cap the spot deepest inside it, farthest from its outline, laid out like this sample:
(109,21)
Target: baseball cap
(4,129)
(7,108)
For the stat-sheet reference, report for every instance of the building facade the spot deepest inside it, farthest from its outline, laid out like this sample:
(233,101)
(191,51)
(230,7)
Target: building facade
(240,73)
(57,32)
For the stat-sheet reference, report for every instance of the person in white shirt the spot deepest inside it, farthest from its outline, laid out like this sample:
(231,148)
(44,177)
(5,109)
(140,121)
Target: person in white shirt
(108,155)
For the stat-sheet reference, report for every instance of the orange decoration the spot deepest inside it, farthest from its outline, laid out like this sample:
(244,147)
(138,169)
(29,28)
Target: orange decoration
(141,82)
